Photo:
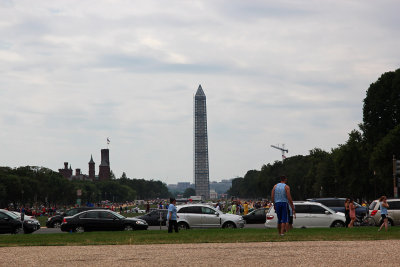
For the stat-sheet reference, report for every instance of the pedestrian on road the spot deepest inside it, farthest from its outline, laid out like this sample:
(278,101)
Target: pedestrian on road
(233,209)
(383,205)
(172,217)
(246,208)
(281,198)
(22,213)
(352,213)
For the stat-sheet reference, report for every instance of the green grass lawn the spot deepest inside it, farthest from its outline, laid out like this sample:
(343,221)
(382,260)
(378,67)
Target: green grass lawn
(42,220)
(198,236)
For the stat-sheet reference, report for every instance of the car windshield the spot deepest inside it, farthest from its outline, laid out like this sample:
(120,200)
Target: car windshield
(357,205)
(118,215)
(71,212)
(12,215)
(330,210)
(372,206)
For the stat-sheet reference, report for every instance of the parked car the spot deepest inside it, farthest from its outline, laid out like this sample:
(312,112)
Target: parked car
(101,220)
(10,222)
(30,224)
(337,204)
(393,212)
(153,217)
(56,220)
(309,215)
(205,216)
(256,216)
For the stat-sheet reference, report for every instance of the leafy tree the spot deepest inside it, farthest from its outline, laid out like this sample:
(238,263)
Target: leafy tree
(382,161)
(381,111)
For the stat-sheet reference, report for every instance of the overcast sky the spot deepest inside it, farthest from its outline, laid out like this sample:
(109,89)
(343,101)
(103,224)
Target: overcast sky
(73,73)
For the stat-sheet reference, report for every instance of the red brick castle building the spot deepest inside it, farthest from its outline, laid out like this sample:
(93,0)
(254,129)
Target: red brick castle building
(104,169)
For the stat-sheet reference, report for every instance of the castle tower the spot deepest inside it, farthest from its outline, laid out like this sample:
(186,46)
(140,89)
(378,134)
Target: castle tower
(92,172)
(104,167)
(67,173)
(201,171)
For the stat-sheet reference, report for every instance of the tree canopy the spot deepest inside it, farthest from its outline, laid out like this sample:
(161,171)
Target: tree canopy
(41,185)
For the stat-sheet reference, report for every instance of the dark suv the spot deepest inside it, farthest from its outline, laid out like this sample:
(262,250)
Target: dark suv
(337,204)
(56,220)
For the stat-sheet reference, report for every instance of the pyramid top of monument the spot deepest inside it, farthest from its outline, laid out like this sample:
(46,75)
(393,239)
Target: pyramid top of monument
(200,91)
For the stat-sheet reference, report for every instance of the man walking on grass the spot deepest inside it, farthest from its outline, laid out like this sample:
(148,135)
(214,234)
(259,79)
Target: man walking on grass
(172,217)
(281,198)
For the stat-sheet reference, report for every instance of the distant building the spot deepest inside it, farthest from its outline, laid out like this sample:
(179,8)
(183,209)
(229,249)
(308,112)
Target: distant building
(201,169)
(92,169)
(182,186)
(104,169)
(66,172)
(213,194)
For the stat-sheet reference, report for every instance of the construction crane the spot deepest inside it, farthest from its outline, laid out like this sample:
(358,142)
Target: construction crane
(281,149)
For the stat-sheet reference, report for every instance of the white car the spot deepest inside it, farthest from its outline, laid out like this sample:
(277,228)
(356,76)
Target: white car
(309,215)
(205,216)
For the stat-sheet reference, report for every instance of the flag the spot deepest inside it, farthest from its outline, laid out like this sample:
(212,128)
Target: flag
(283,157)
(108,141)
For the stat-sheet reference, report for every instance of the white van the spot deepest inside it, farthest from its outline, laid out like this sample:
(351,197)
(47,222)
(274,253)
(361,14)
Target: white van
(309,215)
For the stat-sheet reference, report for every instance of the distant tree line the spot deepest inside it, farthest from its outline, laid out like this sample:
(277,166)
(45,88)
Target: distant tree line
(361,168)
(29,185)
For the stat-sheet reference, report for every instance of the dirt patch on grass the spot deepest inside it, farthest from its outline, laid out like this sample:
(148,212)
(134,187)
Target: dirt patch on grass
(312,253)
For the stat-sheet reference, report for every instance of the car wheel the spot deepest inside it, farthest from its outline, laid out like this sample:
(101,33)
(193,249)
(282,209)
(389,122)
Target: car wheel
(17,231)
(370,221)
(128,228)
(56,224)
(229,225)
(79,229)
(337,224)
(183,226)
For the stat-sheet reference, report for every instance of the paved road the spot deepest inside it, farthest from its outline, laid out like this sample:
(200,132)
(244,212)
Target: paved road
(311,253)
(45,230)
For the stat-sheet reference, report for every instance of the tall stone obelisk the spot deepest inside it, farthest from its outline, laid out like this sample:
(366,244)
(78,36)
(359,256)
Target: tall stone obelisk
(201,170)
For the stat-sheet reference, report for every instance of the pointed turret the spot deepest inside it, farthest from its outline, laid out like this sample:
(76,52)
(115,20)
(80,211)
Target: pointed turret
(91,159)
(92,170)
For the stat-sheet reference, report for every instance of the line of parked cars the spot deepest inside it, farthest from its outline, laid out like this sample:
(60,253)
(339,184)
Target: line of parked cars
(317,212)
(10,222)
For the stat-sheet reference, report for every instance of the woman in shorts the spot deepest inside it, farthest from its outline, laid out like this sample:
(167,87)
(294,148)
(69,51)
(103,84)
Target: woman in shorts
(383,205)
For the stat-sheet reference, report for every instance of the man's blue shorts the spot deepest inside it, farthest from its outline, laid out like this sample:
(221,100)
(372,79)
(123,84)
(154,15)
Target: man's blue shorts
(281,209)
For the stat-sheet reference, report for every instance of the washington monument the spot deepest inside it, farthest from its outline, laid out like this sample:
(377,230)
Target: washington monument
(201,171)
